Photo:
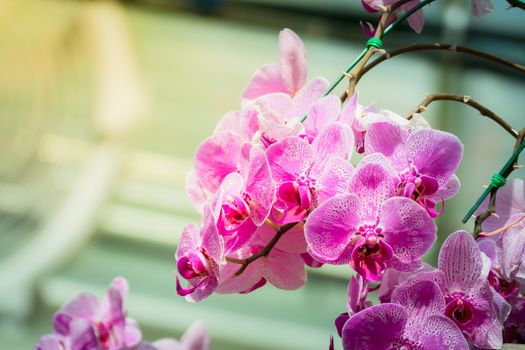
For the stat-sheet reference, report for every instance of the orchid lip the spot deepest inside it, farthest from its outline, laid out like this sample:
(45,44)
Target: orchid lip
(405,344)
(234,212)
(415,185)
(294,201)
(460,310)
(185,291)
(193,264)
(104,332)
(371,255)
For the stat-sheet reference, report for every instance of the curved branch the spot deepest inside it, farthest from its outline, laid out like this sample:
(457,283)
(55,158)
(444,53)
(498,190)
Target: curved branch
(443,47)
(465,100)
(264,252)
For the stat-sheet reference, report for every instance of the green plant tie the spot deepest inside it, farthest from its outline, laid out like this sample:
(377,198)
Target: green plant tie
(498,180)
(374,42)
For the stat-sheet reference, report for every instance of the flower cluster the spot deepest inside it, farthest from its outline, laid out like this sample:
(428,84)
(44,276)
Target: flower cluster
(86,323)
(296,177)
(277,188)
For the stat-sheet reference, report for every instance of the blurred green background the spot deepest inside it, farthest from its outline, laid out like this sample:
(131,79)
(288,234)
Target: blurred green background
(102,105)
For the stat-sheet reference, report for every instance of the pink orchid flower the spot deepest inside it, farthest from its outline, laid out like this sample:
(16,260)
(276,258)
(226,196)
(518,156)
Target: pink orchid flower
(216,157)
(244,123)
(87,323)
(244,200)
(369,227)
(199,256)
(471,303)
(425,161)
(360,118)
(308,174)
(288,77)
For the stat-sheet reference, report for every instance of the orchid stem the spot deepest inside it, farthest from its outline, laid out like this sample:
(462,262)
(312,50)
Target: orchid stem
(484,111)
(264,252)
(444,47)
(502,229)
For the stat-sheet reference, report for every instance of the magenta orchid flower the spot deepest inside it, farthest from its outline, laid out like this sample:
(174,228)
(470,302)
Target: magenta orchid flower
(471,303)
(308,174)
(369,227)
(414,320)
(199,256)
(424,159)
(243,201)
(288,77)
(87,323)
(283,267)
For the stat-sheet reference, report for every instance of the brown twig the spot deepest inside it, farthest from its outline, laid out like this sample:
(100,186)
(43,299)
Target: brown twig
(502,229)
(491,208)
(441,47)
(465,100)
(264,252)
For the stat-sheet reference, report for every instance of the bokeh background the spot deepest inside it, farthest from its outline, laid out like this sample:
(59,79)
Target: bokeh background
(102,105)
